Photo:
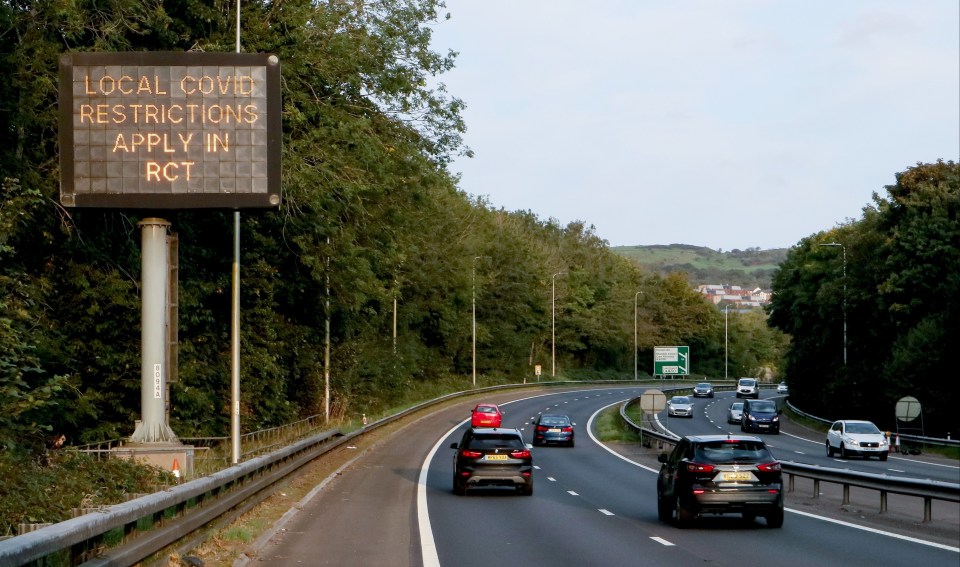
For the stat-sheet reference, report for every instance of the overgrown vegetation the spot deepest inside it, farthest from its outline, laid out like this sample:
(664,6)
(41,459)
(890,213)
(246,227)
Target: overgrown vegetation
(48,488)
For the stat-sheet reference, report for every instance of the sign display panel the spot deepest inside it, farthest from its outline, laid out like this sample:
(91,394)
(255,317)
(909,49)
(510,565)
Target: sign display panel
(170,130)
(671,360)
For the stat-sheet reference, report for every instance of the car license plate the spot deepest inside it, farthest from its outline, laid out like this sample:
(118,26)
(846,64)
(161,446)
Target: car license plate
(554,430)
(764,425)
(497,457)
(736,476)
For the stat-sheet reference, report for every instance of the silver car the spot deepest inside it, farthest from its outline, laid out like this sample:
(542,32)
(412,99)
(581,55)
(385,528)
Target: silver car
(679,406)
(735,413)
(703,390)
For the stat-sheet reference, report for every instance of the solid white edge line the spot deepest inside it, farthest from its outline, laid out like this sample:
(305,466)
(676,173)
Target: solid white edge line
(876,531)
(807,514)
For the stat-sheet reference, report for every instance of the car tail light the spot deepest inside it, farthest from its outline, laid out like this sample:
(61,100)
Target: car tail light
(769,467)
(567,429)
(542,428)
(520,454)
(466,453)
(699,467)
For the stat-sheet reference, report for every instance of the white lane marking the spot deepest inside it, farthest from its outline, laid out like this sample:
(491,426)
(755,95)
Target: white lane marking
(876,531)
(896,470)
(791,510)
(536,467)
(800,452)
(662,541)
(572,493)
(606,512)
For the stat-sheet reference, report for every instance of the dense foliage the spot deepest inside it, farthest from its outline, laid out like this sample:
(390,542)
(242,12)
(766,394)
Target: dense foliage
(371,218)
(900,297)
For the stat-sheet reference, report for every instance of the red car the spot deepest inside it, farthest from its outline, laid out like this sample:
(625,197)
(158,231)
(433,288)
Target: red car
(486,415)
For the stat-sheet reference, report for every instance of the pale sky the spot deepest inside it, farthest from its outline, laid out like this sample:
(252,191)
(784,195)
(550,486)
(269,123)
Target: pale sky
(719,123)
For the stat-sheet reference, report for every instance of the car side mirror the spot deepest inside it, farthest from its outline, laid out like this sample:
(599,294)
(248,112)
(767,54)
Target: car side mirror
(663,458)
(454,446)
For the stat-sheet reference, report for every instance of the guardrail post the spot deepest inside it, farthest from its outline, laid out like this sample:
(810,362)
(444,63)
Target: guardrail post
(883,501)
(816,488)
(791,482)
(846,495)
(927,509)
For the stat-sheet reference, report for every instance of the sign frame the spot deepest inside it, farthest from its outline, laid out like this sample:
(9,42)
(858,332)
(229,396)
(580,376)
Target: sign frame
(94,176)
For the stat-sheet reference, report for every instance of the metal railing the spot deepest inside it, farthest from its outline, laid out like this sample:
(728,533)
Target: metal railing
(928,490)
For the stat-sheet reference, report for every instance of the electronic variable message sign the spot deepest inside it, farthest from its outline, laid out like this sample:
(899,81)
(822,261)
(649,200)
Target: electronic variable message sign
(170,130)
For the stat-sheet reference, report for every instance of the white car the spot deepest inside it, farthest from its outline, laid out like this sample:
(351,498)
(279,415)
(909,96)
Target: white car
(782,388)
(748,388)
(679,406)
(854,437)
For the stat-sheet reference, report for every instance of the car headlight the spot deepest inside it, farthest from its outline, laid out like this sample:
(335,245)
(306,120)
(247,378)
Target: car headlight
(850,441)
(751,418)
(884,442)
(776,418)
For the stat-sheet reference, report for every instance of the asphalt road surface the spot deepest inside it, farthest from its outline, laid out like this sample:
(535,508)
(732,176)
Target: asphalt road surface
(592,504)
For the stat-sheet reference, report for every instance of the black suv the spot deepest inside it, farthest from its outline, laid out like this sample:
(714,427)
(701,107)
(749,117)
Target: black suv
(492,457)
(760,415)
(718,474)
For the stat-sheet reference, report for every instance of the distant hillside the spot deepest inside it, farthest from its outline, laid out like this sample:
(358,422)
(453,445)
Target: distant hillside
(750,268)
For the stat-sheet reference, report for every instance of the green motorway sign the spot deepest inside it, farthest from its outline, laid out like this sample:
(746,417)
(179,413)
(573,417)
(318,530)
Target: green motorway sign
(671,360)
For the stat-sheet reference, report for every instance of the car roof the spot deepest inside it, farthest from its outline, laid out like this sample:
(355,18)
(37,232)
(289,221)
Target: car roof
(854,421)
(487,406)
(708,438)
(493,430)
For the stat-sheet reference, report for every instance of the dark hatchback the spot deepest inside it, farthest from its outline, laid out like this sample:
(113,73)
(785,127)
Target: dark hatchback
(488,457)
(720,474)
(553,428)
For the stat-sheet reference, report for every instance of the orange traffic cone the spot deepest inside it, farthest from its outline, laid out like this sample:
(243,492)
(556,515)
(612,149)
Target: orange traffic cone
(176,469)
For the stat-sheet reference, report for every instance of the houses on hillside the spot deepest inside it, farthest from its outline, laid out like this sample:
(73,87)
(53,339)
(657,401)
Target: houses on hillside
(719,293)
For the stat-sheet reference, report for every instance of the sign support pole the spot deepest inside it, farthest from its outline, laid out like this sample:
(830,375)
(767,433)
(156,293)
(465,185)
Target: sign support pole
(153,427)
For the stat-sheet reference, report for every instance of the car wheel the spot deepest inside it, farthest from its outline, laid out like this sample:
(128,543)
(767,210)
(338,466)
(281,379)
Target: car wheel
(829,450)
(775,519)
(749,517)
(683,516)
(742,426)
(776,431)
(459,488)
(527,489)
(883,456)
(570,444)
(843,452)
(663,509)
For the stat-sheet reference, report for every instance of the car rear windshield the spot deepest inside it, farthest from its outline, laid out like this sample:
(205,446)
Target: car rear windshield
(485,409)
(862,428)
(731,451)
(763,406)
(554,420)
(494,441)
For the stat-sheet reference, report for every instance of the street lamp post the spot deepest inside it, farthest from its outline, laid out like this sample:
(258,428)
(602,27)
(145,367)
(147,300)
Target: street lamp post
(475,258)
(844,250)
(726,347)
(553,326)
(635,346)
